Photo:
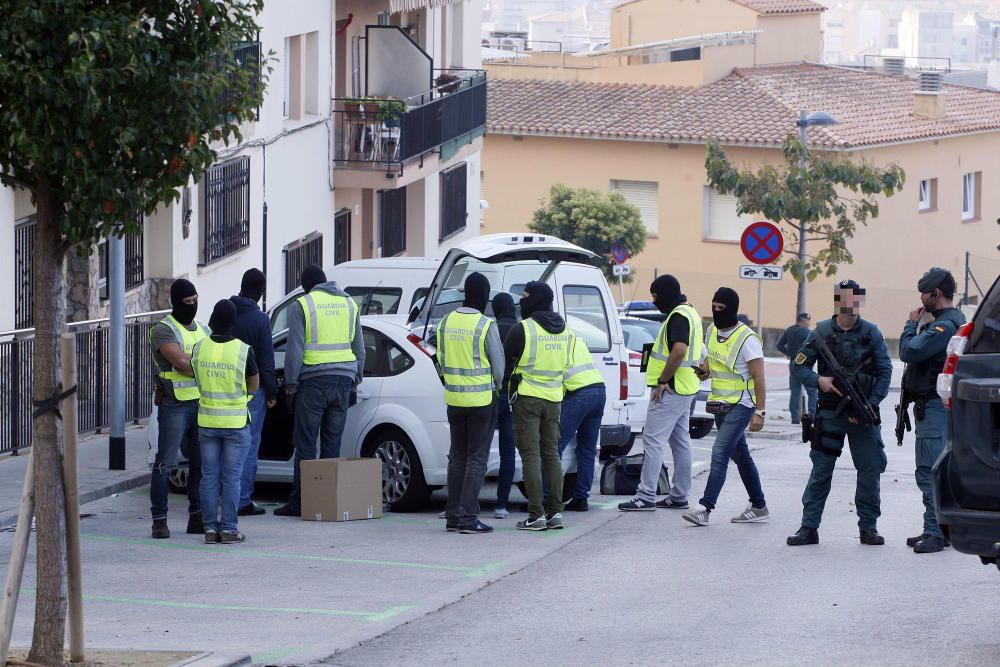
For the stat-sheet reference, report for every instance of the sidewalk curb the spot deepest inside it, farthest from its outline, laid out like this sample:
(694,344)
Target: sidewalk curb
(140,479)
(212,659)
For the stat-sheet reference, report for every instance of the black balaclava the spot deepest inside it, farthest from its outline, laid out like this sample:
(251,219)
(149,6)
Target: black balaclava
(253,284)
(223,318)
(183,312)
(503,306)
(477,292)
(726,319)
(668,293)
(312,275)
(539,298)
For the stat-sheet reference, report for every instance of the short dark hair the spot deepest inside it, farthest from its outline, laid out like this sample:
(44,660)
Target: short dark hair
(948,286)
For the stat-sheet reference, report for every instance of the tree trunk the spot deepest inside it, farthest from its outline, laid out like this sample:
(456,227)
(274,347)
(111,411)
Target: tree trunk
(50,505)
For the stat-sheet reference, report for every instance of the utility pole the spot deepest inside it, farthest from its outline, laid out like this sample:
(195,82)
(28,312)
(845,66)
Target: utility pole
(116,292)
(804,140)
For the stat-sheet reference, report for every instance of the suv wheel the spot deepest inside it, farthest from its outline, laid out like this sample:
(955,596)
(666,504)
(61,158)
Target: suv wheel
(403,485)
(699,428)
(177,480)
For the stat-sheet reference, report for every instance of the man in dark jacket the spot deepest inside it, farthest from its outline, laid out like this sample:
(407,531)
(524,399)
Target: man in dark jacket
(506,318)
(537,353)
(254,328)
(789,345)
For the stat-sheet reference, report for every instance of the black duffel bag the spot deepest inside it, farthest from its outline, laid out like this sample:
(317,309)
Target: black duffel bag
(620,476)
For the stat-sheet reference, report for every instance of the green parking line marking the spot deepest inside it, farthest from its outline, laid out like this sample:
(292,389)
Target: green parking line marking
(364,615)
(273,656)
(247,553)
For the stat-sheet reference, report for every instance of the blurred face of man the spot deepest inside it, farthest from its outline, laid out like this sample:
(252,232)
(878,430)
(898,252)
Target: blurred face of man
(848,301)
(931,300)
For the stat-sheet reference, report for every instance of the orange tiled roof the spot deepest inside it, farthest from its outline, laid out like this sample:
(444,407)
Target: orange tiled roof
(781,6)
(754,106)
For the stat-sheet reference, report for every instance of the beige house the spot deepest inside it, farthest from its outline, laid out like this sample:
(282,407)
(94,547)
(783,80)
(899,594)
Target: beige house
(637,117)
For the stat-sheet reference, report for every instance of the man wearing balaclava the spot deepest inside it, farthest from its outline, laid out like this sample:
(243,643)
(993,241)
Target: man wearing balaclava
(506,318)
(470,359)
(736,364)
(324,364)
(673,383)
(253,327)
(859,348)
(923,347)
(220,363)
(172,340)
(538,353)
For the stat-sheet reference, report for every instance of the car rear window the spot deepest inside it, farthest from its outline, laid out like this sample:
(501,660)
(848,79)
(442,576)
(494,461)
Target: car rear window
(376,300)
(587,316)
(985,337)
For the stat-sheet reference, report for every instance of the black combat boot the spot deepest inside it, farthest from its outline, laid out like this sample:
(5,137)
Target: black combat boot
(804,535)
(160,530)
(195,525)
(931,544)
(872,537)
(912,541)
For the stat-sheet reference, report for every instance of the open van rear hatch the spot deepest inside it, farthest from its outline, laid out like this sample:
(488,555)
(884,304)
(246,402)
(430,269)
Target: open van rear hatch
(535,255)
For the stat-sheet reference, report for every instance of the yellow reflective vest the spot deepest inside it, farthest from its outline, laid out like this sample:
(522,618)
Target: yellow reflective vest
(582,371)
(331,322)
(728,385)
(220,370)
(461,354)
(543,362)
(184,386)
(686,381)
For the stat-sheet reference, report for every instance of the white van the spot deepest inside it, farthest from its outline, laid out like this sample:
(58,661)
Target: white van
(386,286)
(582,297)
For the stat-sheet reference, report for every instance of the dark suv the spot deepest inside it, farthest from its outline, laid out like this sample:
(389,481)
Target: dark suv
(967,476)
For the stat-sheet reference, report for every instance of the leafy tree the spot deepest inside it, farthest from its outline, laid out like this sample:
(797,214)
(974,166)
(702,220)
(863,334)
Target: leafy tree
(106,109)
(824,202)
(593,220)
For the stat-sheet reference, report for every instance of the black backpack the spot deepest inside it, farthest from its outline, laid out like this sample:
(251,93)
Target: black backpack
(620,476)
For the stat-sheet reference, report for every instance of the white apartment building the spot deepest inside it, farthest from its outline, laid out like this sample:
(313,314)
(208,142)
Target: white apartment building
(315,179)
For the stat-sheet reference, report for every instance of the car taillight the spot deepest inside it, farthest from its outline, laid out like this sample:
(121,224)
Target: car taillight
(424,346)
(623,381)
(634,359)
(956,348)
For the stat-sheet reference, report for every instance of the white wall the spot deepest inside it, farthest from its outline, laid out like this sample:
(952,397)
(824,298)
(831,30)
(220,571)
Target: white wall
(7,258)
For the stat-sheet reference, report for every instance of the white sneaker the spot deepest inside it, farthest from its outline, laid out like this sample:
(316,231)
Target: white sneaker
(500,513)
(752,515)
(698,515)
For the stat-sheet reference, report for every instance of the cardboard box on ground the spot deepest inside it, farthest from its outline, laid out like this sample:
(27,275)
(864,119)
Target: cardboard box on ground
(343,489)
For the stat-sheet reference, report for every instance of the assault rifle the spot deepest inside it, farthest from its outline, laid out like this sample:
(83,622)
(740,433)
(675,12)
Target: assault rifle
(853,397)
(903,416)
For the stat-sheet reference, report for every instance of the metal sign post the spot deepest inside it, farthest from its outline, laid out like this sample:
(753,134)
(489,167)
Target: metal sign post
(762,244)
(619,253)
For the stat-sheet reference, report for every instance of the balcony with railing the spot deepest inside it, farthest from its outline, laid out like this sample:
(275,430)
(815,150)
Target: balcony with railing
(385,133)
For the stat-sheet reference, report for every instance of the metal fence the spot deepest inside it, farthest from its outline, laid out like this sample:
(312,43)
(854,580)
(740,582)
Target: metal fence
(93,377)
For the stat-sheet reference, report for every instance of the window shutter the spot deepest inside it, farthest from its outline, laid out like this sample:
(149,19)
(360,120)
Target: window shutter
(645,196)
(723,222)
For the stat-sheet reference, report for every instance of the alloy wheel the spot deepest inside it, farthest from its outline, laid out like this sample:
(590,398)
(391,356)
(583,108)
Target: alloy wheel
(396,469)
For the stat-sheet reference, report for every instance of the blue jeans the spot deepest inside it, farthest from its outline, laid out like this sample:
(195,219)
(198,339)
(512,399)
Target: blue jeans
(222,454)
(320,413)
(258,409)
(505,424)
(731,443)
(582,411)
(795,398)
(175,422)
(932,434)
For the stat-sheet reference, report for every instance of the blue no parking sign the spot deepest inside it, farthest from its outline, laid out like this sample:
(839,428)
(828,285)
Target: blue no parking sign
(762,242)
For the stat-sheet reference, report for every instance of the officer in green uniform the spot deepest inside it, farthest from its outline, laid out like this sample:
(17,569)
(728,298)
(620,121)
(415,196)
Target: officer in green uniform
(923,348)
(860,349)
(470,358)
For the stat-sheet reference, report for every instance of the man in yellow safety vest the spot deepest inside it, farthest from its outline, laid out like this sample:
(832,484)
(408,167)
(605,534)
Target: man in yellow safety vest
(172,340)
(226,371)
(538,353)
(673,383)
(736,365)
(470,359)
(324,363)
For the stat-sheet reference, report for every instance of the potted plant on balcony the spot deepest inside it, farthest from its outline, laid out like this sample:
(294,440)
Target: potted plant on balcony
(352,104)
(389,111)
(447,83)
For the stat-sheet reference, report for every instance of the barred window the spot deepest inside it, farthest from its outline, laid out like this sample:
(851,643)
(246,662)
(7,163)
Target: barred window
(24,272)
(300,254)
(454,200)
(226,209)
(134,263)
(392,220)
(342,236)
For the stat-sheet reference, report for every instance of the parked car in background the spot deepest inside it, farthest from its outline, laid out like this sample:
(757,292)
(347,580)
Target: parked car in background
(639,332)
(386,286)
(967,476)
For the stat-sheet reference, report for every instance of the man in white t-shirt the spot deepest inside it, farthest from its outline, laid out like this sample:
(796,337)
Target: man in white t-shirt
(736,364)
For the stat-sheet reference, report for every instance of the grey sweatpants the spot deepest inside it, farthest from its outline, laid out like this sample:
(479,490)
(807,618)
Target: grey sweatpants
(667,423)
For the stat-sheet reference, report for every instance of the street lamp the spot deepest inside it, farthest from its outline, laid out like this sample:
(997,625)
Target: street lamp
(805,121)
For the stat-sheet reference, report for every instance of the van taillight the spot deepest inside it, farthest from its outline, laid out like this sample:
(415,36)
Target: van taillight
(424,346)
(634,359)
(623,381)
(956,348)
